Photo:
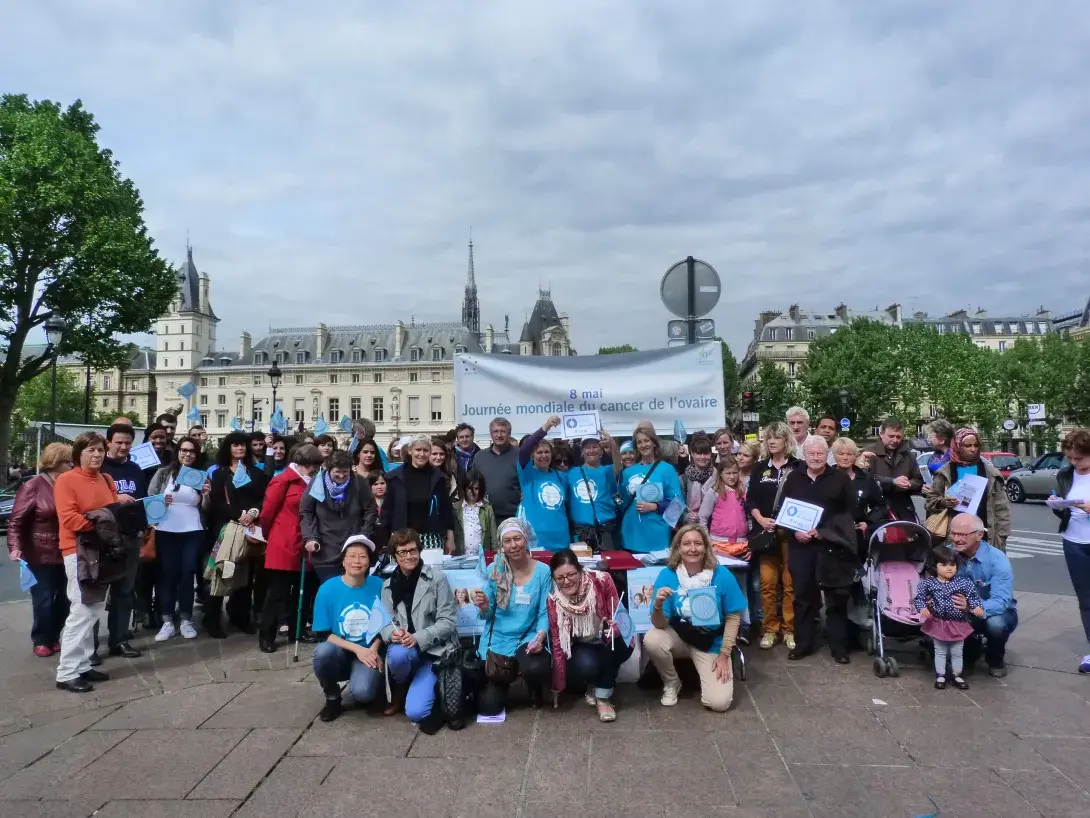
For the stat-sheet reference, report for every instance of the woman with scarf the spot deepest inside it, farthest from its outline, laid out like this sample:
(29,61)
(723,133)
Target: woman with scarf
(700,470)
(424,630)
(284,544)
(692,565)
(512,605)
(328,515)
(587,648)
(995,506)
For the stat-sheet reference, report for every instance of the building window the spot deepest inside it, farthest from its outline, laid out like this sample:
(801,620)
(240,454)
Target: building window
(132,402)
(377,413)
(133,385)
(334,408)
(380,355)
(299,411)
(105,382)
(336,356)
(333,378)
(259,414)
(298,380)
(791,369)
(414,407)
(414,377)
(875,431)
(166,346)
(772,335)
(357,356)
(166,363)
(789,334)
(181,346)
(414,354)
(1002,346)
(257,380)
(810,335)
(223,382)
(221,400)
(355,377)
(976,329)
(933,410)
(1014,328)
(999,328)
(1042,327)
(357,408)
(259,359)
(105,403)
(437,353)
(301,357)
(204,381)
(182,329)
(281,357)
(204,419)
(459,350)
(221,419)
(1029,328)
(436,408)
(202,399)
(557,350)
(436,376)
(378,377)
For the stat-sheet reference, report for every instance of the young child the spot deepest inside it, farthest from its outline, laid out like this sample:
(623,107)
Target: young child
(377,479)
(946,625)
(722,510)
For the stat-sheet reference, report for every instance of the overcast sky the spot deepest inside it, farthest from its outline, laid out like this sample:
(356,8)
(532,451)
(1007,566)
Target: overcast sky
(329,159)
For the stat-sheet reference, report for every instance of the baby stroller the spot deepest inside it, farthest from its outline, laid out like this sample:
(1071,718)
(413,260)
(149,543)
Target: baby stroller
(896,555)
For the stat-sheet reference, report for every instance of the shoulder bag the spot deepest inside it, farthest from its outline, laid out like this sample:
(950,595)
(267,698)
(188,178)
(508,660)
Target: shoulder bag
(765,542)
(502,669)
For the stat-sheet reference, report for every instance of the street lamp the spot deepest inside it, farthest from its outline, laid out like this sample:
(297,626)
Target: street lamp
(843,393)
(54,334)
(274,378)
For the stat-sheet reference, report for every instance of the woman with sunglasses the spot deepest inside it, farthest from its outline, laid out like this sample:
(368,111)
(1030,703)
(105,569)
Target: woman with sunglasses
(178,540)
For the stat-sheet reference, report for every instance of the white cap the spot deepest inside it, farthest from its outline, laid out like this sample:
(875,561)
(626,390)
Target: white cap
(358,539)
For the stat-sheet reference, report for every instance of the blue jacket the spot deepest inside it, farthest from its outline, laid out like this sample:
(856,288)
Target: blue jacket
(990,569)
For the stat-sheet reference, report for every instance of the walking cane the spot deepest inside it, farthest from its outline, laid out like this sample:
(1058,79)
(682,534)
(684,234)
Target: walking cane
(299,610)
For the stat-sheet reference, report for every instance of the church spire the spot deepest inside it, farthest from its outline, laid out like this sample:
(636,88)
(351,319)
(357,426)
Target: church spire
(471,308)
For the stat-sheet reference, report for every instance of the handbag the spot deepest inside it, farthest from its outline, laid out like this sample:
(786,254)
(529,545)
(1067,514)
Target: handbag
(502,669)
(147,546)
(765,542)
(938,524)
(701,639)
(450,685)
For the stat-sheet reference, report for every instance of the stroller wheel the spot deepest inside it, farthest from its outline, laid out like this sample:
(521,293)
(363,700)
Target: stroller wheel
(891,668)
(879,667)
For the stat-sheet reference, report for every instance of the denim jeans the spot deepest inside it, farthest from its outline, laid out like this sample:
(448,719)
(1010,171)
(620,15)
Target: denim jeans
(408,666)
(997,630)
(119,609)
(177,554)
(49,600)
(1077,556)
(333,665)
(595,664)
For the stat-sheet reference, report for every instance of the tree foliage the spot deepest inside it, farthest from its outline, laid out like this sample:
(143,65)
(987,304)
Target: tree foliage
(732,381)
(72,243)
(617,349)
(774,392)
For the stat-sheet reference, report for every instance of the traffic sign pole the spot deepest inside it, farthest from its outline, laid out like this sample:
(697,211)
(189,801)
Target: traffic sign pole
(690,272)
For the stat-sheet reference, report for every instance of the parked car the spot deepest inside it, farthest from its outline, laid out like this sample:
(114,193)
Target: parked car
(7,502)
(1036,481)
(1004,462)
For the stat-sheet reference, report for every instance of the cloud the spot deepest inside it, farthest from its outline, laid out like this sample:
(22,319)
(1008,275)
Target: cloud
(328,160)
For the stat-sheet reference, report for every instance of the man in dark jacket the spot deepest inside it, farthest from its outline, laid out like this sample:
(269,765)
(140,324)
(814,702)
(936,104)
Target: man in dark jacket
(130,480)
(894,467)
(499,465)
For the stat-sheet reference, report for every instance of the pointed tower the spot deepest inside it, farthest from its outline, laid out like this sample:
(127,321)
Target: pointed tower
(471,307)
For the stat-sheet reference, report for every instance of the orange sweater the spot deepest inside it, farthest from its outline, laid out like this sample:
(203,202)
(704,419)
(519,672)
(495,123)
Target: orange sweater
(77,492)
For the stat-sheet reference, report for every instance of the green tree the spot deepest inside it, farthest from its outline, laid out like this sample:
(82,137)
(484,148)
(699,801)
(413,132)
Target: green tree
(732,382)
(72,244)
(774,392)
(617,349)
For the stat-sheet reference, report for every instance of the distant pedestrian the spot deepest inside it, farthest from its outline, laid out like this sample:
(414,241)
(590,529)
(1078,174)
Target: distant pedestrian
(1073,483)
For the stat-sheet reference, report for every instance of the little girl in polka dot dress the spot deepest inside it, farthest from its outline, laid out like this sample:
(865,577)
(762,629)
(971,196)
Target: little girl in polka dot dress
(945,624)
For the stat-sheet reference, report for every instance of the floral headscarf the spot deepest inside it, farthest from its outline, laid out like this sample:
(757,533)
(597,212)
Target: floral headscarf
(959,438)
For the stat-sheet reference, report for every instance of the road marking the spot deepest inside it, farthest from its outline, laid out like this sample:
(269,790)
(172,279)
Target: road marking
(1037,533)
(1028,541)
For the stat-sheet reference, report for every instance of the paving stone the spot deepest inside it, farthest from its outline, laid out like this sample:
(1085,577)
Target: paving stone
(832,735)
(50,809)
(765,784)
(357,733)
(180,709)
(287,705)
(979,794)
(34,742)
(65,762)
(1051,793)
(411,787)
(1070,756)
(244,767)
(695,780)
(509,742)
(290,787)
(168,809)
(558,767)
(152,764)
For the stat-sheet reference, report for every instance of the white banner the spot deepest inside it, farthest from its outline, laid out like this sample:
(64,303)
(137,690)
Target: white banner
(663,386)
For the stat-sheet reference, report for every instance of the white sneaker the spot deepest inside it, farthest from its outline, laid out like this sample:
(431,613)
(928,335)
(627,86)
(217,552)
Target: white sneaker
(187,630)
(165,632)
(670,693)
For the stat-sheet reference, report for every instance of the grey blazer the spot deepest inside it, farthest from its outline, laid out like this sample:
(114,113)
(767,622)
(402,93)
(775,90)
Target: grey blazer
(435,615)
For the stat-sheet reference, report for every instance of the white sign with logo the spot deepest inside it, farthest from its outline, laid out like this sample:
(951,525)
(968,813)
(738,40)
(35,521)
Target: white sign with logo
(1037,414)
(663,386)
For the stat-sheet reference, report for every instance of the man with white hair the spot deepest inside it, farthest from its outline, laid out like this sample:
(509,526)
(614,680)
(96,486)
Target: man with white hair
(799,422)
(991,572)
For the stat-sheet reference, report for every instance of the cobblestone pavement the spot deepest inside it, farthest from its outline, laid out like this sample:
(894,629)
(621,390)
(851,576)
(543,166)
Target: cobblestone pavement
(214,728)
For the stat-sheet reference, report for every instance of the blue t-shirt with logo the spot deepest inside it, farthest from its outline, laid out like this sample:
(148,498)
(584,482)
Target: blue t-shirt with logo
(544,499)
(345,611)
(644,532)
(592,484)
(729,596)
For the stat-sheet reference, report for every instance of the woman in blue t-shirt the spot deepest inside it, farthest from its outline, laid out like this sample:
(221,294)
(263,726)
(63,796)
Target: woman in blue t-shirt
(544,490)
(512,606)
(692,565)
(642,528)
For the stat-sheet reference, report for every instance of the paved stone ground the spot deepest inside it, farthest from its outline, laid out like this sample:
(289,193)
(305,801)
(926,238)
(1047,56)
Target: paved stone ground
(206,729)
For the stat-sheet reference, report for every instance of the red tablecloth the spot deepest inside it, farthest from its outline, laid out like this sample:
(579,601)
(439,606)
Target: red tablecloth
(614,560)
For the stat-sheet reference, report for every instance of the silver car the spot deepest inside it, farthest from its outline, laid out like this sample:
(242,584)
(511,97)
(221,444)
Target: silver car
(1037,481)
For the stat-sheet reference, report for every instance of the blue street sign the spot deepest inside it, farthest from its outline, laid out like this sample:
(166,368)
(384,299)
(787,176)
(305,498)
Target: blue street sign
(845,424)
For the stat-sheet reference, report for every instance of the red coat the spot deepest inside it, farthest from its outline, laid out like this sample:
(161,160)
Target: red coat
(280,521)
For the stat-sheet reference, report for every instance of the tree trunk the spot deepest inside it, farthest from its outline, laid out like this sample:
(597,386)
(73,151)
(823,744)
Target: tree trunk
(7,406)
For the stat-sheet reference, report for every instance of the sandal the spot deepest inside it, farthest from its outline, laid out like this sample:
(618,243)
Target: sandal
(606,712)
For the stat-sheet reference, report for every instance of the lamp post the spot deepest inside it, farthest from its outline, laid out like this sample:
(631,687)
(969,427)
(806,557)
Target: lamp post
(54,334)
(275,375)
(843,393)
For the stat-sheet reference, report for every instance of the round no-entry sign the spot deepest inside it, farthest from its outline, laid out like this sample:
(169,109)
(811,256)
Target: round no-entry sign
(845,424)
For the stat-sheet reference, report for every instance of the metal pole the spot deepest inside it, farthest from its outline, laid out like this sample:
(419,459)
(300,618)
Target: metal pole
(87,397)
(53,401)
(690,321)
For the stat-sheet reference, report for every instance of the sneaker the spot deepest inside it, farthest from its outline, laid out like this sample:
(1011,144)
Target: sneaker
(789,640)
(1084,665)
(332,709)
(768,641)
(165,632)
(670,693)
(187,630)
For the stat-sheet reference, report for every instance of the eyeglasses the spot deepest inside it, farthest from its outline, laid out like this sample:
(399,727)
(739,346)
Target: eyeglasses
(965,533)
(564,579)
(406,552)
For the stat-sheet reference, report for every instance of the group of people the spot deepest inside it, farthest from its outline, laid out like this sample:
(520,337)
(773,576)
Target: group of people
(275,521)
